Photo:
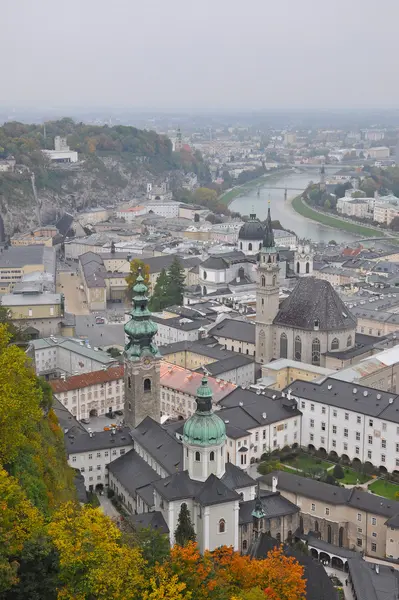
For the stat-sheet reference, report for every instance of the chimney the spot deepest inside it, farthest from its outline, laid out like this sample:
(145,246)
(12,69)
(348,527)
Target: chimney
(274,484)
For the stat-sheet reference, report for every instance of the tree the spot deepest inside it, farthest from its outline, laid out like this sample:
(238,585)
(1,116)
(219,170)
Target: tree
(394,224)
(154,545)
(185,530)
(176,279)
(165,587)
(93,561)
(135,265)
(20,398)
(19,522)
(114,352)
(338,471)
(214,219)
(204,196)
(332,243)
(159,298)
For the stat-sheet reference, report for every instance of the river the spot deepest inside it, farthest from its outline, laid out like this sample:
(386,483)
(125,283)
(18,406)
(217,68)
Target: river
(282,210)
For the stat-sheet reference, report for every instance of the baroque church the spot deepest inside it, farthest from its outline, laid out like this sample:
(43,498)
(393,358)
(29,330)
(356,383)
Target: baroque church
(170,465)
(311,322)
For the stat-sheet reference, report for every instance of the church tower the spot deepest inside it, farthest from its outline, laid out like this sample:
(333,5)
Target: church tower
(323,178)
(178,141)
(267,294)
(141,359)
(303,259)
(204,438)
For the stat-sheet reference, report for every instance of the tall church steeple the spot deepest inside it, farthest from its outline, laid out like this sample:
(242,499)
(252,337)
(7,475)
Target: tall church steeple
(141,359)
(267,293)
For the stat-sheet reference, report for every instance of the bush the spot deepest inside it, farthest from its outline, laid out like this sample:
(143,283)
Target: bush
(338,472)
(110,493)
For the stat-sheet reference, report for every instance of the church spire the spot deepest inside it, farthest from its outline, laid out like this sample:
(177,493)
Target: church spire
(140,329)
(258,514)
(268,238)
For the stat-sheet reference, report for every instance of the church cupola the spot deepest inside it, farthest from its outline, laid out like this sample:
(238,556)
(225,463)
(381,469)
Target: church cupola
(251,235)
(141,361)
(204,438)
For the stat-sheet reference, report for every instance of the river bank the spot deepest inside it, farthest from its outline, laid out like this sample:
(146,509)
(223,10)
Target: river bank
(240,190)
(300,206)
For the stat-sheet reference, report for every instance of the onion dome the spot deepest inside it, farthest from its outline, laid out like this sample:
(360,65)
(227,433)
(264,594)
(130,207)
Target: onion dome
(140,329)
(252,230)
(204,427)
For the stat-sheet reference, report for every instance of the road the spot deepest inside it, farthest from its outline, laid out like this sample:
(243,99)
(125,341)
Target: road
(100,336)
(68,283)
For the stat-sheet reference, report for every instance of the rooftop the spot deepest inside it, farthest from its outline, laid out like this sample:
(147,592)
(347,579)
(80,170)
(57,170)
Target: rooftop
(20,256)
(162,446)
(71,345)
(241,331)
(184,380)
(86,379)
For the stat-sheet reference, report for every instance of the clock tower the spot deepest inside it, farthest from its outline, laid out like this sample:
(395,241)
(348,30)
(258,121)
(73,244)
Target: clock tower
(142,361)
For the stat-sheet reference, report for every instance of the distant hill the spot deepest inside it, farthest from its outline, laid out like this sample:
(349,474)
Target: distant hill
(115,164)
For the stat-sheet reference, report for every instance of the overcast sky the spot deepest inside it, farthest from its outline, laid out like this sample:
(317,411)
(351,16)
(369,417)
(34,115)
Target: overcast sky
(200,54)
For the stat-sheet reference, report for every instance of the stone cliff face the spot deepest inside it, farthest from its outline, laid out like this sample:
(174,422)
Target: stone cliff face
(72,188)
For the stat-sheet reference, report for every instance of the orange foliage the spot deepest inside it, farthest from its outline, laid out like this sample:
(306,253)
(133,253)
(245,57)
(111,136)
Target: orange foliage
(225,573)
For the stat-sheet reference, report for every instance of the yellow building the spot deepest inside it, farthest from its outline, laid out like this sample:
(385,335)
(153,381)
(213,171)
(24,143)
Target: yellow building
(41,311)
(281,372)
(15,262)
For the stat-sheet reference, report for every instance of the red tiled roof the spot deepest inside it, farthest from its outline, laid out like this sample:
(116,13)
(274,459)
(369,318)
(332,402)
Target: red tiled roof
(352,251)
(81,381)
(184,380)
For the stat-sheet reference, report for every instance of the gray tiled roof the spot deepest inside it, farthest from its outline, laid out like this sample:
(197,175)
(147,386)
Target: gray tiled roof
(100,440)
(235,477)
(215,262)
(214,491)
(162,446)
(254,406)
(19,256)
(242,331)
(228,364)
(343,394)
(314,300)
(177,486)
(273,504)
(311,488)
(178,323)
(370,585)
(132,472)
(153,520)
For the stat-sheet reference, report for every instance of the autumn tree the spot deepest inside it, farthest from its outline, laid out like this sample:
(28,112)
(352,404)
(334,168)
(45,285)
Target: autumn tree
(20,398)
(93,561)
(153,544)
(162,586)
(19,522)
(135,265)
(185,530)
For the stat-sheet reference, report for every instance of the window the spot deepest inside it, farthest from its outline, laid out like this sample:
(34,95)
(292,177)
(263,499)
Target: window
(383,443)
(359,516)
(384,427)
(198,456)
(327,511)
(373,547)
(323,426)
(283,346)
(334,413)
(359,530)
(323,410)
(369,454)
(383,458)
(359,542)
(147,385)
(322,441)
(334,429)
(122,451)
(371,422)
(106,453)
(316,352)
(73,458)
(311,437)
(345,446)
(373,521)
(222,526)
(313,507)
(98,454)
(312,422)
(129,382)
(98,467)
(82,469)
(334,444)
(90,456)
(374,534)
(346,416)
(358,419)
(244,545)
(349,341)
(263,281)
(90,468)
(212,456)
(297,348)
(345,433)
(335,344)
(370,439)
(312,407)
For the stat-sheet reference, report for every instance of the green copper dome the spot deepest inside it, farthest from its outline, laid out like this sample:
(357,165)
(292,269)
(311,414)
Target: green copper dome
(204,427)
(140,330)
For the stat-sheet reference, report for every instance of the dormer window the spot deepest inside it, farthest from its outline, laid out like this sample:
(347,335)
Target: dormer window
(316,323)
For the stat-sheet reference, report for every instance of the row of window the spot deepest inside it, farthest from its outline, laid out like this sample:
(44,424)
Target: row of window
(315,347)
(99,454)
(357,449)
(373,520)
(346,416)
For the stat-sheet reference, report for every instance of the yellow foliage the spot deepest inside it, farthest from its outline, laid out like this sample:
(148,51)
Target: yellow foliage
(166,587)
(19,521)
(19,398)
(93,561)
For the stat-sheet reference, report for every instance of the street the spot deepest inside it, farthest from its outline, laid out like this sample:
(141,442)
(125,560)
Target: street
(100,336)
(68,283)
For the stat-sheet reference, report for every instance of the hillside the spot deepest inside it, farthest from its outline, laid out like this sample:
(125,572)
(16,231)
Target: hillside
(115,164)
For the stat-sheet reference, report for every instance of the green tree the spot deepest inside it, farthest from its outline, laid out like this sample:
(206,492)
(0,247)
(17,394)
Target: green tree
(204,196)
(394,224)
(338,472)
(176,279)
(184,532)
(159,298)
(135,266)
(154,545)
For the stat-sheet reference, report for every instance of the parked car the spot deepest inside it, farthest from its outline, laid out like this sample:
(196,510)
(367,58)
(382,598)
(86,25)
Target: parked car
(100,320)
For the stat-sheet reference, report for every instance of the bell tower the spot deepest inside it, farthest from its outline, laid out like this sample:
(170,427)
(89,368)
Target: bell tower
(303,259)
(141,360)
(267,294)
